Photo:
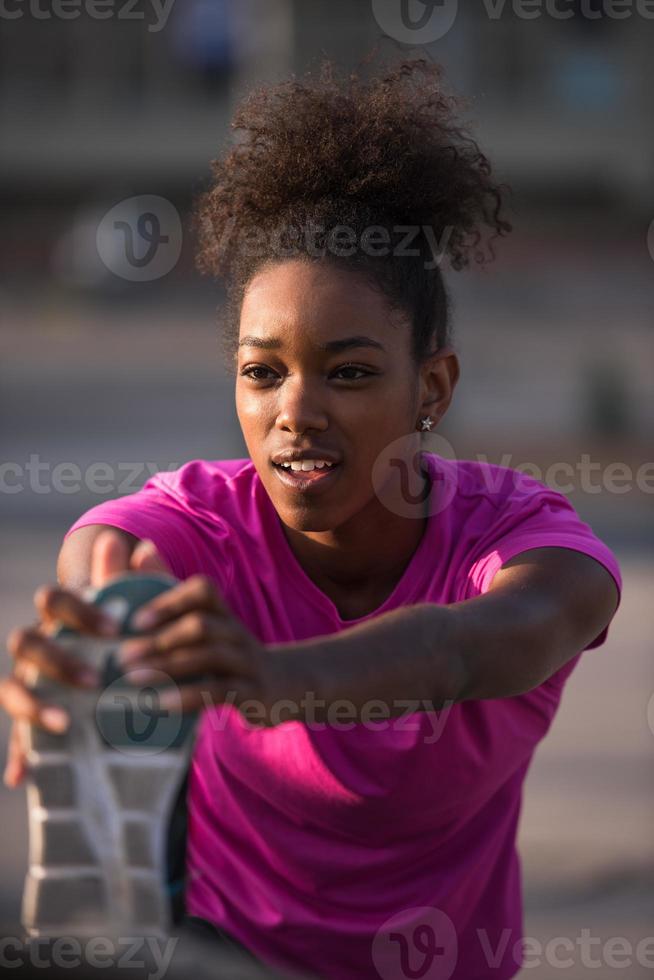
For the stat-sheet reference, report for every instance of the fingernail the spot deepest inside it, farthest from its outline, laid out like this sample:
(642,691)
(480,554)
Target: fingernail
(141,675)
(88,677)
(144,619)
(55,719)
(131,650)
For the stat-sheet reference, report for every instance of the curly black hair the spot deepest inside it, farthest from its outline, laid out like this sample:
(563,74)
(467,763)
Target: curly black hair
(377,176)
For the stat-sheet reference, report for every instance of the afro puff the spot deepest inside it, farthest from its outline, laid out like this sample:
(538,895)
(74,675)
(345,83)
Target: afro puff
(377,176)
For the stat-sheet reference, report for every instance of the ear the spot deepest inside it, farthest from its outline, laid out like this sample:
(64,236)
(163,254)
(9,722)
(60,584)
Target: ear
(439,375)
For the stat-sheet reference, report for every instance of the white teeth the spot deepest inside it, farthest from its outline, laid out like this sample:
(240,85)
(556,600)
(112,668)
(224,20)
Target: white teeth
(305,465)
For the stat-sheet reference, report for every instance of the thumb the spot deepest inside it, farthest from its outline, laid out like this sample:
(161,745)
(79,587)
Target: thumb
(110,557)
(146,558)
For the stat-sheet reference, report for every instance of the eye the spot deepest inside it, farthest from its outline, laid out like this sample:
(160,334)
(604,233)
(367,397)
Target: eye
(249,372)
(353,367)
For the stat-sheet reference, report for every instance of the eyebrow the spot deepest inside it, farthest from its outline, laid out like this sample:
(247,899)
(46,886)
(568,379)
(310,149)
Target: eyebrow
(274,343)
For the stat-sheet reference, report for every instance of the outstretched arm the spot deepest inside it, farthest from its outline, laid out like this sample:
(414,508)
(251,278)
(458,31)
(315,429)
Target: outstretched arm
(544,606)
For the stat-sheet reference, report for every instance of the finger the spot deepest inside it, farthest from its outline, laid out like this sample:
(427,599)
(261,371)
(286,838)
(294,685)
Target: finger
(146,558)
(225,638)
(110,557)
(22,705)
(184,663)
(18,701)
(206,693)
(57,605)
(31,646)
(196,592)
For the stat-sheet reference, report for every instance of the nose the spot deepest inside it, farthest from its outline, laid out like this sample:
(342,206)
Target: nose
(301,407)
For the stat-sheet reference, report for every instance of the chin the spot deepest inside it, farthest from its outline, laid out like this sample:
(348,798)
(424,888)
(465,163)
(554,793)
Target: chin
(301,518)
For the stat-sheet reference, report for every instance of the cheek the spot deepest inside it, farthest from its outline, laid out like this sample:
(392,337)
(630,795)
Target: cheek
(252,411)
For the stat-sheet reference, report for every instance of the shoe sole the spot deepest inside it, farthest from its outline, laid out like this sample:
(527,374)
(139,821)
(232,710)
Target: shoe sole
(100,795)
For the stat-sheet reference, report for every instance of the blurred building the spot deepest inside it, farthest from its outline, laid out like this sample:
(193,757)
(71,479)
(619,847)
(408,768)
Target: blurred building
(94,111)
(87,103)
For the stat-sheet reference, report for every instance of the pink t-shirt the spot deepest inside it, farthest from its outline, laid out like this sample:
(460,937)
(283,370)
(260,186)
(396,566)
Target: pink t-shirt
(386,850)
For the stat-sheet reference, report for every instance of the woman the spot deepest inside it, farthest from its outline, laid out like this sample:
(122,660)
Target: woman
(384,633)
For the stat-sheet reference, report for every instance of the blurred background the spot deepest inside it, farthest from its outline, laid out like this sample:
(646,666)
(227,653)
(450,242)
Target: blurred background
(110,359)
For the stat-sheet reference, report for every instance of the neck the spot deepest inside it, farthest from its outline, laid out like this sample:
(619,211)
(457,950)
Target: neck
(368,553)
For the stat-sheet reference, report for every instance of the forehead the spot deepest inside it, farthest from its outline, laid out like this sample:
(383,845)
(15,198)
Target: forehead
(316,302)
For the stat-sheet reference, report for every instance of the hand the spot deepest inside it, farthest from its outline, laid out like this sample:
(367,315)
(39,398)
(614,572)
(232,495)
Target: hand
(33,647)
(194,639)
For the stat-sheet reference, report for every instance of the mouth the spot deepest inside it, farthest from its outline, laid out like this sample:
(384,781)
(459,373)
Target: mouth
(307,481)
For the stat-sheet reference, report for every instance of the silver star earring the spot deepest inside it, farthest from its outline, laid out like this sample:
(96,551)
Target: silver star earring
(426,423)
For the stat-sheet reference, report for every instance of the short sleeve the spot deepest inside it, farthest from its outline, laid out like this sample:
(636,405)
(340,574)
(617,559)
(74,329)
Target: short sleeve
(539,519)
(184,540)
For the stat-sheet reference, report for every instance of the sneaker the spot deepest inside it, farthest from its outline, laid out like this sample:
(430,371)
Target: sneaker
(101,795)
